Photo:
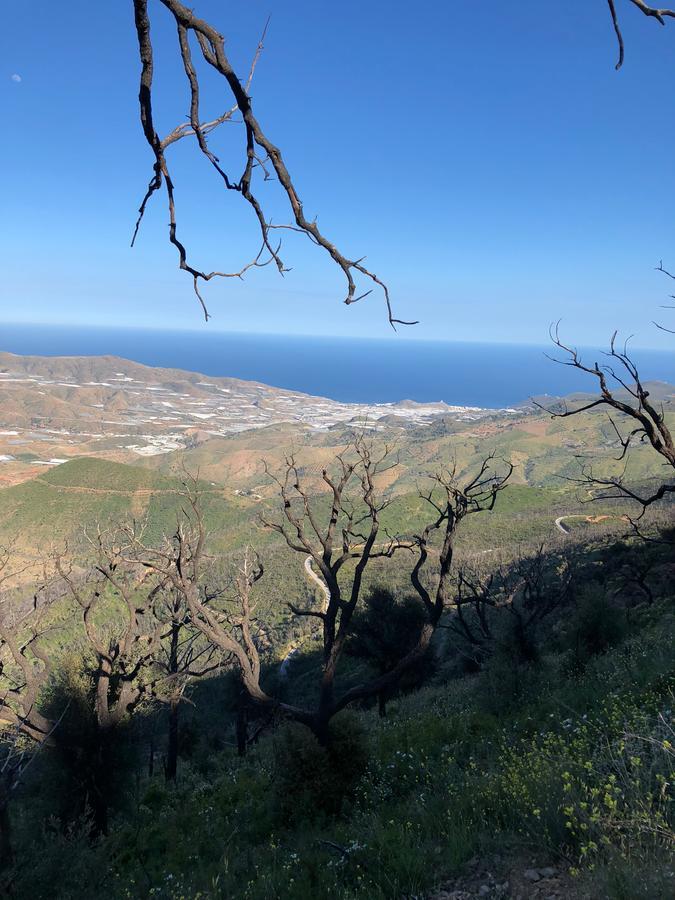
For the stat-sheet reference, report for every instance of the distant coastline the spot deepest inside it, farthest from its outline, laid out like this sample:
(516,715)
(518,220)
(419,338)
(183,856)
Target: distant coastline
(353,371)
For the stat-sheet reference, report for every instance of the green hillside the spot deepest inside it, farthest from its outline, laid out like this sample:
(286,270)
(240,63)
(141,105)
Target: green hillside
(55,507)
(103,475)
(553,777)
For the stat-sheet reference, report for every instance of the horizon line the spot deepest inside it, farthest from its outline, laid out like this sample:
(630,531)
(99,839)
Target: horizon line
(303,335)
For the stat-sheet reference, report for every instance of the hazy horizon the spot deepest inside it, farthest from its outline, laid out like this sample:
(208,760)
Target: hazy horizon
(461,373)
(403,334)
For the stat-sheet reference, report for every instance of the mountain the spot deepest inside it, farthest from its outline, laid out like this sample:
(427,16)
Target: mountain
(56,408)
(100,439)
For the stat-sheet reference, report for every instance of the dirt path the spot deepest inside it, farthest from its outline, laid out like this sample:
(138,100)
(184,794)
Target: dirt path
(139,492)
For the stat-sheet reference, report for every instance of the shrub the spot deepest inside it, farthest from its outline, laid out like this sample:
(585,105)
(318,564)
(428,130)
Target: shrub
(311,779)
(87,768)
(597,625)
(383,632)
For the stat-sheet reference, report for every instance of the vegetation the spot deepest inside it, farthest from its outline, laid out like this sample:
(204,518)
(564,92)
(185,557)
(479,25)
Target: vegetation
(524,686)
(189,695)
(571,762)
(545,723)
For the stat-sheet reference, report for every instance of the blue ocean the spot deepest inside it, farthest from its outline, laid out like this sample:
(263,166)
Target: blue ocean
(359,370)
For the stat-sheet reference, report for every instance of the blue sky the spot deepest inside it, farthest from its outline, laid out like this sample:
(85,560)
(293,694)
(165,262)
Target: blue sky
(494,168)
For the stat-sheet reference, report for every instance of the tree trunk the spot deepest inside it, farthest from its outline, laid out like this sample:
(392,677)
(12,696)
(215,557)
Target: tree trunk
(382,704)
(6,852)
(242,722)
(321,728)
(171,769)
(98,796)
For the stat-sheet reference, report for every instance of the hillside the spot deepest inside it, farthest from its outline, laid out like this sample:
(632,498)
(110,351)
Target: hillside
(103,440)
(90,474)
(54,408)
(525,754)
(545,780)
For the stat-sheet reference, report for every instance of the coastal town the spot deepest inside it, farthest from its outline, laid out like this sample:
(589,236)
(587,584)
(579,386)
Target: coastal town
(54,409)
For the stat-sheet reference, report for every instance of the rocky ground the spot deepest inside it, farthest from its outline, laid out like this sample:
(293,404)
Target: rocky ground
(498,878)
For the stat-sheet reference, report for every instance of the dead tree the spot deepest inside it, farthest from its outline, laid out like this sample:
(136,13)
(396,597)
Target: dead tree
(622,390)
(259,155)
(182,656)
(659,15)
(116,598)
(25,669)
(527,591)
(347,532)
(343,529)
(260,158)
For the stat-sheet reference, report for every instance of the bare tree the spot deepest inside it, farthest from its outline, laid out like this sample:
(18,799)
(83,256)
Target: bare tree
(346,531)
(25,668)
(622,389)
(259,156)
(125,640)
(341,527)
(635,573)
(528,591)
(116,598)
(659,15)
(183,655)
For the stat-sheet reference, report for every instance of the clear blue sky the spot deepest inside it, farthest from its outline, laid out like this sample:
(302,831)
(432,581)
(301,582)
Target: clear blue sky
(496,170)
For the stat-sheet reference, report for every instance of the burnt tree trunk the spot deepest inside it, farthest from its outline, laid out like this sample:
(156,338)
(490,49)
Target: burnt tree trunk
(242,721)
(6,851)
(171,769)
(99,782)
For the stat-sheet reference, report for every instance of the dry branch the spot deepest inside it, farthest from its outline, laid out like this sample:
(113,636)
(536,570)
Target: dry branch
(635,405)
(651,12)
(258,152)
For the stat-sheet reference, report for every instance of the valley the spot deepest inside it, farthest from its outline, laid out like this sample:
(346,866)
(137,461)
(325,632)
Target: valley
(94,440)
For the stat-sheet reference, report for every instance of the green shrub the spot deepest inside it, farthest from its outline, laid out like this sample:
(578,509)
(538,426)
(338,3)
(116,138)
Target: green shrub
(311,779)
(512,673)
(87,768)
(597,626)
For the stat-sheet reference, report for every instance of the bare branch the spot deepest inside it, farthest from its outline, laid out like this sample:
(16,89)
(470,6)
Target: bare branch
(659,14)
(257,149)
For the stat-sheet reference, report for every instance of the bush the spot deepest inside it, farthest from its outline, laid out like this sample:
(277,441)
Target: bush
(597,626)
(87,768)
(512,672)
(313,780)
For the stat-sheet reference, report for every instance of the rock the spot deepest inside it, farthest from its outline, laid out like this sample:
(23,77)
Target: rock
(548,872)
(532,874)
(484,890)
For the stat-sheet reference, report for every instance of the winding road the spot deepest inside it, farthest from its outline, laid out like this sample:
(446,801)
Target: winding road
(315,578)
(323,587)
(593,520)
(559,524)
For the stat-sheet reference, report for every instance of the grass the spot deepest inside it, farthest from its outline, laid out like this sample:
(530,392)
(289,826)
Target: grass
(577,771)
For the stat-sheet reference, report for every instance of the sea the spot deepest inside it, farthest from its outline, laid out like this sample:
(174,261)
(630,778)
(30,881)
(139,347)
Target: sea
(349,370)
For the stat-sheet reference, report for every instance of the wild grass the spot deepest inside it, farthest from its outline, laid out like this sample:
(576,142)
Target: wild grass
(580,772)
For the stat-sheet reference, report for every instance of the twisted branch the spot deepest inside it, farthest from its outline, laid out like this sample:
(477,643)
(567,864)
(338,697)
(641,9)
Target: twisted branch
(256,144)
